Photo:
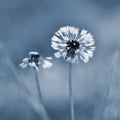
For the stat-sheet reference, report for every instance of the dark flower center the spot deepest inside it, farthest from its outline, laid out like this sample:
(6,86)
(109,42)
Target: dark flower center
(34,58)
(73,44)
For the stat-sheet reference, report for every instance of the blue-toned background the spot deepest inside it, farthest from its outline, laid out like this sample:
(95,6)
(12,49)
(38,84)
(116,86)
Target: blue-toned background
(28,25)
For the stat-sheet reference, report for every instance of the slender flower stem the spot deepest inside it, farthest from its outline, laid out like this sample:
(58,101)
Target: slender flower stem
(45,116)
(38,86)
(71,93)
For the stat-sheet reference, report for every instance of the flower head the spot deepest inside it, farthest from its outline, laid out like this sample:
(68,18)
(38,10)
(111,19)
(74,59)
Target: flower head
(34,60)
(72,44)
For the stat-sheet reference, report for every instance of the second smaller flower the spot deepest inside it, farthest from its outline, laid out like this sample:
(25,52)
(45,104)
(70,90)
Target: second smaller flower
(34,60)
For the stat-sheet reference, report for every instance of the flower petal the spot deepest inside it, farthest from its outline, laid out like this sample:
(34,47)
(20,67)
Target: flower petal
(46,64)
(56,39)
(57,54)
(49,58)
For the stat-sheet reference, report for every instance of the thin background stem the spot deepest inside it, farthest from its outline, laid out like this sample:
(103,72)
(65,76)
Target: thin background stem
(71,93)
(101,107)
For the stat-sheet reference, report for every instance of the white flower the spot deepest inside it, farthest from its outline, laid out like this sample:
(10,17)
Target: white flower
(34,60)
(72,44)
